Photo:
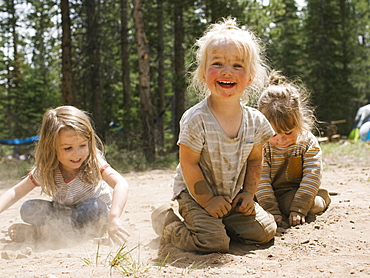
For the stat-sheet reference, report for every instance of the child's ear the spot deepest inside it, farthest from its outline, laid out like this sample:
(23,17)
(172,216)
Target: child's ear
(251,78)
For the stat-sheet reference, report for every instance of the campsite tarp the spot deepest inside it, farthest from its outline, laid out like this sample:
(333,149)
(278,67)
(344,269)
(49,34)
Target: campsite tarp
(22,141)
(362,117)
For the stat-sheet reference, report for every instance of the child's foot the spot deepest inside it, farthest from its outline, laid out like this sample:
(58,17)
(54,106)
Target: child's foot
(323,193)
(20,232)
(321,202)
(163,216)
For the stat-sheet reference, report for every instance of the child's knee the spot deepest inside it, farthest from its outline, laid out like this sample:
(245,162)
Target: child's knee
(269,231)
(89,212)
(35,211)
(202,241)
(259,233)
(209,243)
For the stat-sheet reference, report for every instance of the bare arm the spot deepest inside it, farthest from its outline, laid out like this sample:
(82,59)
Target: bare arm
(216,206)
(254,170)
(120,194)
(189,161)
(244,201)
(14,194)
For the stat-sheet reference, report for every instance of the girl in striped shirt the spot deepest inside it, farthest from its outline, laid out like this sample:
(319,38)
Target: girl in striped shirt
(220,147)
(70,168)
(290,182)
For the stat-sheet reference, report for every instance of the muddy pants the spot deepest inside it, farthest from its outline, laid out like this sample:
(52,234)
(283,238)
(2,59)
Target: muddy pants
(200,232)
(285,199)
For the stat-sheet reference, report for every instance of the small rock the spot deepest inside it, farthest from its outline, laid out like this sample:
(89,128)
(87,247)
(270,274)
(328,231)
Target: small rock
(21,256)
(28,251)
(8,255)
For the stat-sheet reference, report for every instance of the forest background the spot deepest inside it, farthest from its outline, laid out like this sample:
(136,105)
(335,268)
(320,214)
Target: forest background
(126,62)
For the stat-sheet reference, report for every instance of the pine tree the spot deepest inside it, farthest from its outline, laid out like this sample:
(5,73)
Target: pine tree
(328,43)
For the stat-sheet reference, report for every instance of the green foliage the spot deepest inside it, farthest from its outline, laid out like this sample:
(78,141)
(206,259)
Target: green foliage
(285,40)
(329,42)
(326,44)
(134,160)
(12,169)
(345,148)
(121,260)
(349,153)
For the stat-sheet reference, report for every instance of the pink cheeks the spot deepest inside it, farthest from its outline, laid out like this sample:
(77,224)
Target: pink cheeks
(286,139)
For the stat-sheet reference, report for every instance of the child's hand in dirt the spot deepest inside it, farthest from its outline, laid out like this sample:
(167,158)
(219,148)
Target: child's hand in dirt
(218,206)
(244,203)
(296,218)
(278,219)
(116,232)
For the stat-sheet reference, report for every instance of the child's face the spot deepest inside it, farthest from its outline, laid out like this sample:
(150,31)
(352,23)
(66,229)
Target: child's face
(72,149)
(226,74)
(286,139)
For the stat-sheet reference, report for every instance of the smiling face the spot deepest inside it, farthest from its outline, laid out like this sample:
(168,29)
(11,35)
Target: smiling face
(226,73)
(72,150)
(285,139)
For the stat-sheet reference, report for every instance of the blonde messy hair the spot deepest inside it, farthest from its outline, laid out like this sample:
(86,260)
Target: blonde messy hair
(249,46)
(46,161)
(286,105)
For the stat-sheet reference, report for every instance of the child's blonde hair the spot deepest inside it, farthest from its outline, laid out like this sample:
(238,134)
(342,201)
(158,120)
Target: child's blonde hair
(249,46)
(46,161)
(286,105)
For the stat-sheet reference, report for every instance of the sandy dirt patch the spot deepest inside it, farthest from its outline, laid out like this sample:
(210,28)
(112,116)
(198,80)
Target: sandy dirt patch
(336,244)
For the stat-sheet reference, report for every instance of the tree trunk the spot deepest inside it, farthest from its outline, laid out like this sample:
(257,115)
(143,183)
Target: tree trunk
(67,91)
(94,63)
(216,10)
(180,85)
(13,73)
(161,89)
(125,56)
(145,100)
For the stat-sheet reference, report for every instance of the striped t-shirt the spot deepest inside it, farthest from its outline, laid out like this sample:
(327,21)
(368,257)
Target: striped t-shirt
(298,166)
(223,160)
(73,192)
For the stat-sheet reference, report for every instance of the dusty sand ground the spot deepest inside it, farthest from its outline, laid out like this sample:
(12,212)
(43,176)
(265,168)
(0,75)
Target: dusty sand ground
(336,244)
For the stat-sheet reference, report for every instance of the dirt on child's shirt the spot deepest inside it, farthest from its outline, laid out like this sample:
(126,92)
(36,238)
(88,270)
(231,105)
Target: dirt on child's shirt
(223,160)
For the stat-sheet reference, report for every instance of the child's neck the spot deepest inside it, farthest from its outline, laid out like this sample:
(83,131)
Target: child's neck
(68,174)
(228,114)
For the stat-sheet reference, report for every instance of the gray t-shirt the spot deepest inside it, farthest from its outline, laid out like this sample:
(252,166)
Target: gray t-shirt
(223,160)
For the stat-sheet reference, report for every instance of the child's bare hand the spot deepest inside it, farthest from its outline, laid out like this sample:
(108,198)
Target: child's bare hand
(244,203)
(116,232)
(278,219)
(296,218)
(218,206)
